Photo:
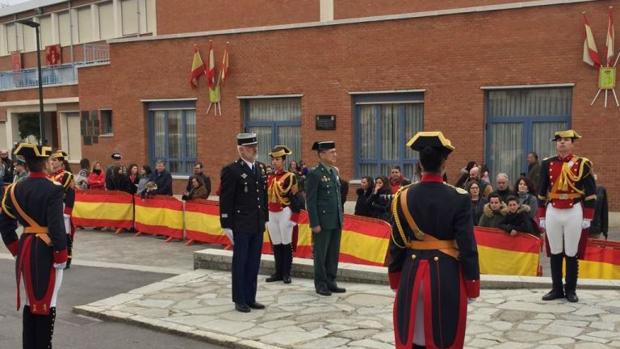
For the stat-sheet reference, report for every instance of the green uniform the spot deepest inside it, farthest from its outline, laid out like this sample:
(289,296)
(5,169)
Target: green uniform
(325,210)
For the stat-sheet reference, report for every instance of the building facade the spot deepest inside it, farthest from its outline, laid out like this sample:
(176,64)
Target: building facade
(497,77)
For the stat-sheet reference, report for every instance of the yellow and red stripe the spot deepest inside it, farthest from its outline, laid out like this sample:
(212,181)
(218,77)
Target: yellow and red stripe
(202,222)
(98,208)
(502,254)
(160,215)
(601,260)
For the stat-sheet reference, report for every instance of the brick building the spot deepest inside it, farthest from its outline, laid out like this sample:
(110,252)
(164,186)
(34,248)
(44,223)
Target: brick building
(498,77)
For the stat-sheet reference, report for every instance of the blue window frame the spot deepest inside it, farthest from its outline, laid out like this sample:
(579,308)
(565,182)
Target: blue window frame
(172,135)
(519,121)
(275,121)
(383,123)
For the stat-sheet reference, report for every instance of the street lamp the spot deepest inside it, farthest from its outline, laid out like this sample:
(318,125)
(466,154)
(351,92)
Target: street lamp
(36,26)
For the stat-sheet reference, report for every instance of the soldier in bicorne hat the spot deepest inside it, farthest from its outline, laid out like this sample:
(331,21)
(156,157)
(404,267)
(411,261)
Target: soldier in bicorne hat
(61,174)
(41,251)
(566,201)
(433,261)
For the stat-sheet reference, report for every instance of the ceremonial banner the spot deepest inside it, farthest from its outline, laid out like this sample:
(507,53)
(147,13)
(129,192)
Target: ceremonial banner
(198,69)
(202,222)
(601,260)
(159,215)
(99,208)
(502,254)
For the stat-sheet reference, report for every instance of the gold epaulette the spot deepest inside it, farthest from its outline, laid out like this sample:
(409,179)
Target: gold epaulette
(458,190)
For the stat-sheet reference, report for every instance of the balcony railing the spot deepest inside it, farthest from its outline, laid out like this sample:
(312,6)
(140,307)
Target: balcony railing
(63,74)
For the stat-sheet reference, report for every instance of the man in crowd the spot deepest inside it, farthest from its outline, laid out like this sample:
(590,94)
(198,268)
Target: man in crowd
(6,167)
(502,187)
(20,171)
(567,198)
(533,169)
(325,211)
(109,173)
(243,216)
(474,176)
(198,172)
(493,212)
(397,180)
(162,180)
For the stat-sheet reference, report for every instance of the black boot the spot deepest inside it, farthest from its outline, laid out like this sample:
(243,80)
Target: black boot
(572,270)
(277,256)
(28,331)
(69,250)
(287,262)
(556,278)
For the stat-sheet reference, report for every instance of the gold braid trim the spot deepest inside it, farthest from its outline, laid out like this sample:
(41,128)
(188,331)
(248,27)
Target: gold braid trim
(399,226)
(568,178)
(4,207)
(276,193)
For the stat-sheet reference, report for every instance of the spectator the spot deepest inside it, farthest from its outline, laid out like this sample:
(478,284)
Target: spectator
(477,201)
(96,179)
(294,167)
(162,180)
(81,180)
(397,179)
(474,176)
(533,171)
(121,180)
(503,188)
(484,174)
(379,204)
(109,174)
(460,183)
(527,196)
(20,172)
(600,222)
(6,167)
(517,219)
(417,175)
(198,172)
(362,208)
(145,175)
(493,212)
(133,175)
(198,190)
(344,188)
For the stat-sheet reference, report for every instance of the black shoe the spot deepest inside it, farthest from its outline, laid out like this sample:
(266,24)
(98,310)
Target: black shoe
(572,297)
(323,291)
(274,278)
(242,308)
(553,294)
(337,289)
(256,305)
(286,279)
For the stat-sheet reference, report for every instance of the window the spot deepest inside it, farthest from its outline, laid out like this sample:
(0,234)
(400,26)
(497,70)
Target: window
(275,121)
(520,121)
(383,125)
(106,20)
(70,135)
(64,28)
(30,37)
(11,37)
(89,125)
(129,9)
(3,49)
(46,31)
(85,28)
(105,120)
(172,135)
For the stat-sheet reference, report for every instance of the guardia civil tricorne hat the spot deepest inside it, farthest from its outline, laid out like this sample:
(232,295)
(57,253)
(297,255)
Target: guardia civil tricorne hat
(566,134)
(323,145)
(33,151)
(433,139)
(59,155)
(280,151)
(247,139)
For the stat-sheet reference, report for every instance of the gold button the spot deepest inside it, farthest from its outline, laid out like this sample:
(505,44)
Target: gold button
(436,258)
(412,256)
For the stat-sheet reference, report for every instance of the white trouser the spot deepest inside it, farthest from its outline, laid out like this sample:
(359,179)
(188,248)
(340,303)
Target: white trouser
(563,227)
(418,331)
(57,284)
(67,220)
(281,227)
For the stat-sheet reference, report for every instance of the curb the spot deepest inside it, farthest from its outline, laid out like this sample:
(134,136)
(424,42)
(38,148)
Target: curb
(215,259)
(185,331)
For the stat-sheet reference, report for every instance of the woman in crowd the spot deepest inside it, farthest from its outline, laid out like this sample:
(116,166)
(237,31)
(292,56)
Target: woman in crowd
(145,174)
(81,180)
(198,191)
(134,178)
(477,200)
(378,200)
(362,208)
(526,195)
(294,168)
(96,179)
(465,174)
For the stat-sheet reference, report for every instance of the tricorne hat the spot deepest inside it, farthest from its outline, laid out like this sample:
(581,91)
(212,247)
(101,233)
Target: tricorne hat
(433,139)
(32,151)
(280,151)
(566,134)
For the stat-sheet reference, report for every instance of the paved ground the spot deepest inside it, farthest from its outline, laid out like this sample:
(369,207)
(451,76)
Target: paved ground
(199,303)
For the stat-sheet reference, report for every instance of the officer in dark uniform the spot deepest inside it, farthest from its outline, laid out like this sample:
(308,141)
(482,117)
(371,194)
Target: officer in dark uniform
(62,175)
(41,251)
(325,213)
(433,262)
(243,214)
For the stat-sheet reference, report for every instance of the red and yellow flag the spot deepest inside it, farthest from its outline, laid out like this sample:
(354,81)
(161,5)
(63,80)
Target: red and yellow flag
(611,36)
(601,260)
(198,69)
(211,70)
(225,65)
(502,254)
(590,52)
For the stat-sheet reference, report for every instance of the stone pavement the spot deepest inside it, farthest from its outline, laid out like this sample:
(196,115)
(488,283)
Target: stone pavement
(198,304)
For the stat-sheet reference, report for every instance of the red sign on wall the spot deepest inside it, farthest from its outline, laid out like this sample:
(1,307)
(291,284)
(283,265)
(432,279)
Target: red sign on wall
(16,60)
(53,54)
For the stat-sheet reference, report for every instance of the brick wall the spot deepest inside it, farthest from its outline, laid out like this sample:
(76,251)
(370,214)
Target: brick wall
(449,56)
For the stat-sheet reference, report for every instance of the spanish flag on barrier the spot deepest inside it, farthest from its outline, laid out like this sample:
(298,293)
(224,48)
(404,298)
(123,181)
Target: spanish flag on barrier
(198,68)
(601,260)
(502,254)
(99,208)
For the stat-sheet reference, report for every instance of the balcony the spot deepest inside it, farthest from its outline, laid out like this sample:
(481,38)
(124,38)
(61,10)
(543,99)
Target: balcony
(64,74)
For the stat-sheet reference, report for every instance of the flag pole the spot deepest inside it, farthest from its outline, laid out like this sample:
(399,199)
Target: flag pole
(616,98)
(606,98)
(595,97)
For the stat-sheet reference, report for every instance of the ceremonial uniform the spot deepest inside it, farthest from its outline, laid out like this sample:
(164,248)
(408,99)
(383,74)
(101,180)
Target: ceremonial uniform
(67,180)
(283,216)
(433,258)
(41,251)
(243,213)
(325,210)
(567,199)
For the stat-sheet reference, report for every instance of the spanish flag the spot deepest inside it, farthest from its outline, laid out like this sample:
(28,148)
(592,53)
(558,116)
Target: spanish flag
(601,260)
(590,52)
(198,68)
(502,254)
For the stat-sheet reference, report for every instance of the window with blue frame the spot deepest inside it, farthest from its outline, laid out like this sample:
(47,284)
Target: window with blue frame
(383,125)
(520,121)
(172,135)
(275,121)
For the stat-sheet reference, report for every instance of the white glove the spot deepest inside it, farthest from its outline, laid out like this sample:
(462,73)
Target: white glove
(585,224)
(541,223)
(67,220)
(60,265)
(229,235)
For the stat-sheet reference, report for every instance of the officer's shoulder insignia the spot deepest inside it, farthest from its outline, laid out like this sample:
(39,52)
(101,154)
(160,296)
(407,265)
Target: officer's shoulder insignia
(458,190)
(548,158)
(585,160)
(244,176)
